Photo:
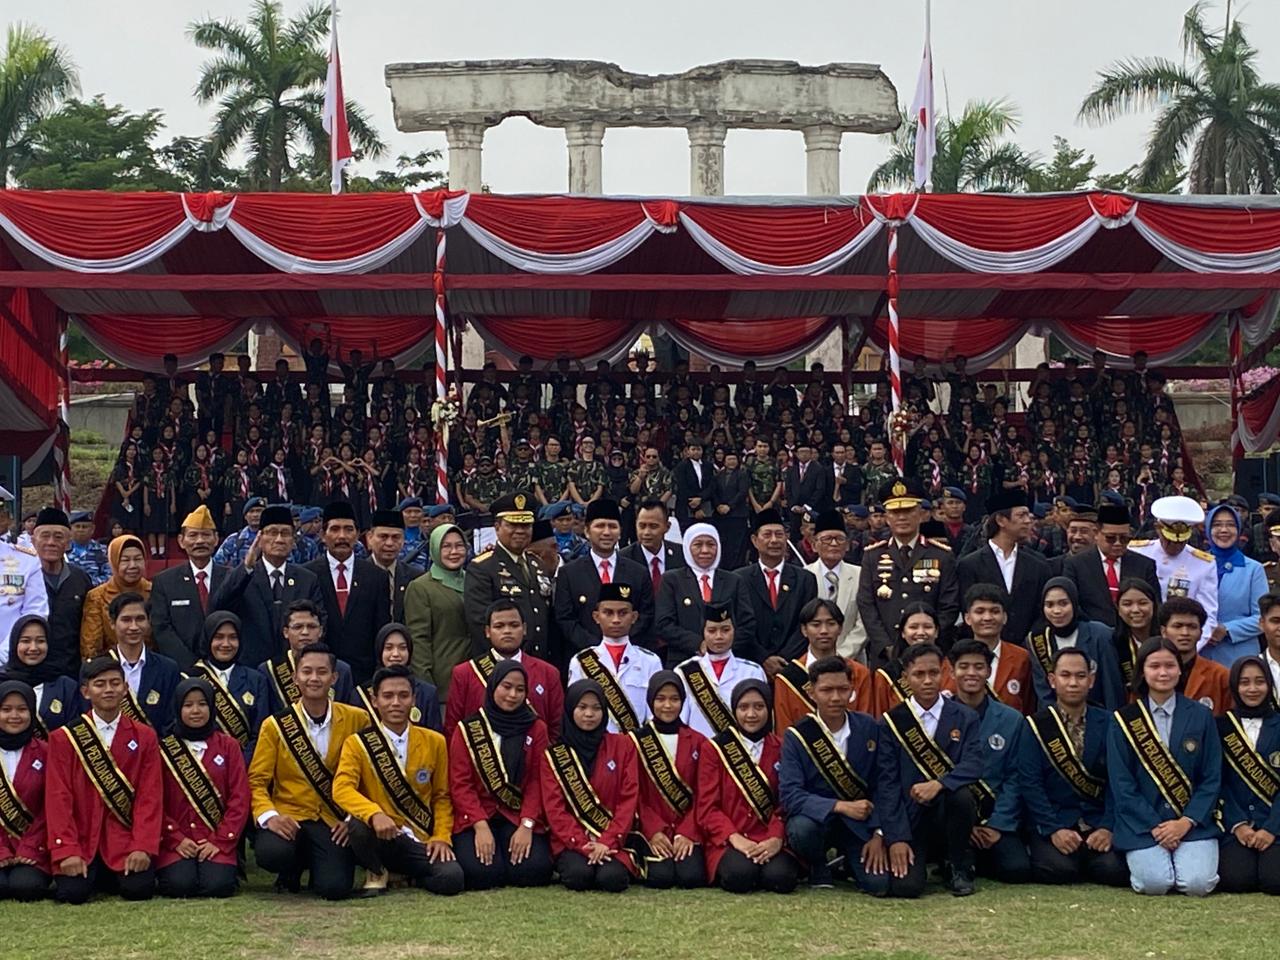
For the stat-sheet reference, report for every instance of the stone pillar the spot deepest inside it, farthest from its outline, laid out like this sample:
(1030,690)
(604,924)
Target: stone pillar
(822,155)
(706,158)
(586,163)
(466,142)
(1030,351)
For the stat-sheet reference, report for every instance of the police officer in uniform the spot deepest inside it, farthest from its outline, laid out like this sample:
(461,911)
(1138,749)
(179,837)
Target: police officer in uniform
(903,568)
(22,589)
(509,572)
(1272,567)
(1183,570)
(1260,546)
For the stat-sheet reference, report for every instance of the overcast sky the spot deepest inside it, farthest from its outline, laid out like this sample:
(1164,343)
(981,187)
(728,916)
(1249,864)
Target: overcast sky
(1041,54)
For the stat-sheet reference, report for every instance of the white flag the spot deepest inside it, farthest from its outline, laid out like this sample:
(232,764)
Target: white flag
(922,108)
(334,115)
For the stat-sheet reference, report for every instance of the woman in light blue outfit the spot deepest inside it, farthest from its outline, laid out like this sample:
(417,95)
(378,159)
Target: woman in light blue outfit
(1241,581)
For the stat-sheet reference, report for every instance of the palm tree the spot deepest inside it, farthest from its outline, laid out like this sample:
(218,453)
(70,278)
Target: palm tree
(35,75)
(268,78)
(972,153)
(1215,113)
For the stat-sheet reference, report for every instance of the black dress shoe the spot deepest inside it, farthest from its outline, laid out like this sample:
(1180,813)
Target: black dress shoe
(288,883)
(962,883)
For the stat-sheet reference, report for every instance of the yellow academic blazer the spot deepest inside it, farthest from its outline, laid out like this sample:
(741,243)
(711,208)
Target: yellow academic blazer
(358,790)
(277,782)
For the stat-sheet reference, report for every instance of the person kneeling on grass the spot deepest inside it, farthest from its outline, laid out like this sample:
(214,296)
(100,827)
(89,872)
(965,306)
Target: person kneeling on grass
(393,778)
(590,791)
(206,799)
(1164,760)
(24,850)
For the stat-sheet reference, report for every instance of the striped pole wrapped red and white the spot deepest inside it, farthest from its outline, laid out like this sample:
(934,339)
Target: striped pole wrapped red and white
(442,355)
(895,362)
(1235,345)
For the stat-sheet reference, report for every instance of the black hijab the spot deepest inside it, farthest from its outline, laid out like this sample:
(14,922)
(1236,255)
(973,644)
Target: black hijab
(1268,705)
(585,743)
(511,725)
(15,669)
(180,729)
(1067,586)
(659,680)
(741,690)
(380,640)
(211,624)
(16,741)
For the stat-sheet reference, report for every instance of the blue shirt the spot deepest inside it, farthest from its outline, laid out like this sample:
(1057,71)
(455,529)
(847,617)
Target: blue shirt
(1239,589)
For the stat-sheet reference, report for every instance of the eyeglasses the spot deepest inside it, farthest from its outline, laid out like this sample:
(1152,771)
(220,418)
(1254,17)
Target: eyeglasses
(832,541)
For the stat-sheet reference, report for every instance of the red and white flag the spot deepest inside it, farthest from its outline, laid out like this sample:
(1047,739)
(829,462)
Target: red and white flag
(922,108)
(334,117)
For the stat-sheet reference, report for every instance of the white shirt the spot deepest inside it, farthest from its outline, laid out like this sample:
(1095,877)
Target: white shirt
(272,571)
(1275,668)
(1252,727)
(670,741)
(319,732)
(756,749)
(208,575)
(840,737)
(697,469)
(777,577)
(518,656)
(928,718)
(660,556)
(1069,641)
(10,759)
(197,748)
(995,662)
(399,744)
(699,574)
(825,586)
(347,566)
(1006,562)
(107,731)
(1195,574)
(223,674)
(611,560)
(133,671)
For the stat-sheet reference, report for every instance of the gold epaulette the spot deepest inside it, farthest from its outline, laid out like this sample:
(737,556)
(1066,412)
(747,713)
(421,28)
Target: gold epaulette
(1140,543)
(877,545)
(483,556)
(23,548)
(930,542)
(1202,554)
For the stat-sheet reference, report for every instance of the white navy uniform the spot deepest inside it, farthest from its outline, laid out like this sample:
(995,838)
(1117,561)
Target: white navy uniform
(22,590)
(638,665)
(735,671)
(1188,573)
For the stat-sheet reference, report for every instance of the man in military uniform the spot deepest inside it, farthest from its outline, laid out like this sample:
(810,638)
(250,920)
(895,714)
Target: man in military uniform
(552,474)
(85,552)
(1260,546)
(236,547)
(509,572)
(878,470)
(307,545)
(952,507)
(522,472)
(1272,567)
(1183,570)
(764,484)
(905,567)
(652,481)
(22,589)
(484,486)
(587,477)
(568,543)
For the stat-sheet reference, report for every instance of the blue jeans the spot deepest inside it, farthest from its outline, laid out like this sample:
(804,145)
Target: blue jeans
(1192,869)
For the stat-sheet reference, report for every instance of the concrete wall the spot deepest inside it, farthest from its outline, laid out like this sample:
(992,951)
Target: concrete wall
(1202,409)
(104,414)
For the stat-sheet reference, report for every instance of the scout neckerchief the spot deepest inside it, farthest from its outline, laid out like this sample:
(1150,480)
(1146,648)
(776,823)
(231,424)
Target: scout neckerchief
(1154,755)
(929,759)
(592,815)
(1245,761)
(796,679)
(231,716)
(15,818)
(661,768)
(486,760)
(831,763)
(704,695)
(281,671)
(194,780)
(746,773)
(389,774)
(306,756)
(1061,753)
(130,706)
(100,767)
(615,697)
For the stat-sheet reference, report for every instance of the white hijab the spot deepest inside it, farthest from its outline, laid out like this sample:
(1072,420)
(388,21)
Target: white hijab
(701,530)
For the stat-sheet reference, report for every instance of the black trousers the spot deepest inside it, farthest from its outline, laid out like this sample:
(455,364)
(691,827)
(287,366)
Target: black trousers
(733,540)
(688,874)
(1006,860)
(534,871)
(1241,870)
(191,878)
(404,855)
(332,868)
(23,882)
(945,825)
(1049,865)
(737,874)
(577,874)
(77,890)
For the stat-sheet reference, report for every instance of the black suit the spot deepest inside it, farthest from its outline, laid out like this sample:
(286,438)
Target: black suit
(351,634)
(247,594)
(687,486)
(777,630)
(578,589)
(405,574)
(66,608)
(672,556)
(679,617)
(177,618)
(812,490)
(1086,569)
(1022,603)
(729,488)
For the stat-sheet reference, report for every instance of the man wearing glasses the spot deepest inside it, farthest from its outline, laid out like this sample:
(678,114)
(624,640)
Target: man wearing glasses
(838,582)
(1098,573)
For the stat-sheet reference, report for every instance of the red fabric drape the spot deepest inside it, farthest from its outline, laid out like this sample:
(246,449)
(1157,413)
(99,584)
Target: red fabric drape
(323,227)
(555,224)
(29,355)
(1207,228)
(92,225)
(785,236)
(141,341)
(767,337)
(1125,336)
(935,340)
(383,336)
(545,338)
(1003,223)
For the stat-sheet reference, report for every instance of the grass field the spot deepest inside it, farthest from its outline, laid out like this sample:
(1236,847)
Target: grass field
(1000,923)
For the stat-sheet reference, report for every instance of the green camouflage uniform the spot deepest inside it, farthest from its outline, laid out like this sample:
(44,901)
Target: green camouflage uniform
(874,477)
(587,475)
(762,478)
(484,488)
(552,477)
(654,484)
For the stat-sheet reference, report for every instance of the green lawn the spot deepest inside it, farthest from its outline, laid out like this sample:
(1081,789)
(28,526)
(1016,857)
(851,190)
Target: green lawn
(1000,923)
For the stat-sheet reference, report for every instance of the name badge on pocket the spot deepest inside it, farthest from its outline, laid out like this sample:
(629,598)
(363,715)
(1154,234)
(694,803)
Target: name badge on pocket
(180,603)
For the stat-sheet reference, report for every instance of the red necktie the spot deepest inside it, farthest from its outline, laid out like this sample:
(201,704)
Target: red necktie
(655,570)
(615,651)
(1113,580)
(718,667)
(202,588)
(706,589)
(773,587)
(341,589)
(604,571)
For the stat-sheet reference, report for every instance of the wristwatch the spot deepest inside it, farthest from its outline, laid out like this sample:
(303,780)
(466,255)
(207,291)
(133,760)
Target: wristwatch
(526,823)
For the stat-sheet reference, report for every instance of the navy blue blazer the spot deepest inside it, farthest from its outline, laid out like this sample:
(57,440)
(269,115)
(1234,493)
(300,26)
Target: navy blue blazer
(805,791)
(1052,804)
(1000,733)
(1094,640)
(160,678)
(1195,745)
(251,689)
(1239,803)
(60,702)
(896,772)
(426,705)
